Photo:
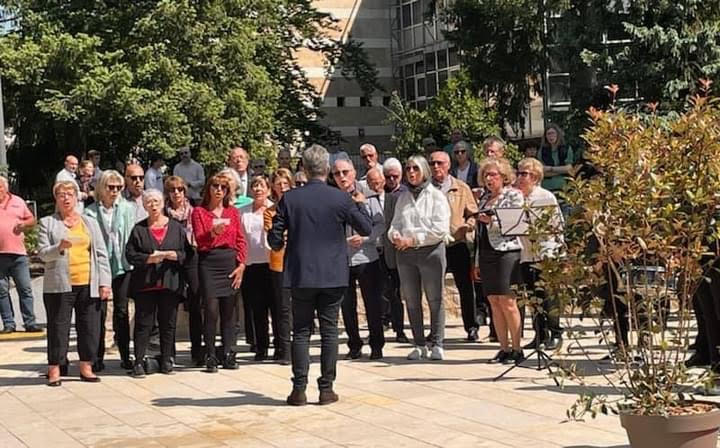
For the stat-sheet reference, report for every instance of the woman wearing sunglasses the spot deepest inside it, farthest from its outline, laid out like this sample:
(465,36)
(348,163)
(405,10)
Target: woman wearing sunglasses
(178,207)
(419,230)
(116,218)
(222,251)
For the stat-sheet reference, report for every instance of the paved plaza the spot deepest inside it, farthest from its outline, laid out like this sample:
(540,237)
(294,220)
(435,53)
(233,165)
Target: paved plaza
(393,403)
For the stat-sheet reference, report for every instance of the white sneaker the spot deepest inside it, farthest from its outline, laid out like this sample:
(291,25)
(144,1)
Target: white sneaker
(438,354)
(418,352)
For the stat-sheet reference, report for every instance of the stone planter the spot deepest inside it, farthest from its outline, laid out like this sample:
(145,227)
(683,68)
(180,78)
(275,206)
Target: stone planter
(680,431)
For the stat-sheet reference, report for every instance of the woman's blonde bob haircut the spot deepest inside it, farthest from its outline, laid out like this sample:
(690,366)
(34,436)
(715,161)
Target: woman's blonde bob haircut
(106,178)
(502,165)
(532,165)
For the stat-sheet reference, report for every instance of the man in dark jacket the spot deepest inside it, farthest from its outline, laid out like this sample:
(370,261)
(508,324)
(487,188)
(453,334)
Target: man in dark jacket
(316,265)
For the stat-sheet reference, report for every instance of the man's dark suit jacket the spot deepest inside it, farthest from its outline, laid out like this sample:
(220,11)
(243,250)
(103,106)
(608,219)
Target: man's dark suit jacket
(472,179)
(315,217)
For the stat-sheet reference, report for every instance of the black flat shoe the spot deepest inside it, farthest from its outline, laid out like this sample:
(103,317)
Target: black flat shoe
(138,371)
(89,379)
(401,338)
(166,367)
(231,362)
(376,354)
(126,364)
(98,366)
(499,357)
(56,383)
(472,335)
(33,329)
(515,357)
(354,354)
(211,365)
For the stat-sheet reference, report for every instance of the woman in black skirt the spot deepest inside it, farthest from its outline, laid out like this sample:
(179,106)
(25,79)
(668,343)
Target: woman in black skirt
(499,257)
(221,262)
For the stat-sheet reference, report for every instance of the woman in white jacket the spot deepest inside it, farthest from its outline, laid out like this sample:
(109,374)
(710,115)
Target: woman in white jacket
(419,230)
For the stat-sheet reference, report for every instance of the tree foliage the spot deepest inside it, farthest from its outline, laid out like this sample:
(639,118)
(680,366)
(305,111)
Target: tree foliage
(124,76)
(457,106)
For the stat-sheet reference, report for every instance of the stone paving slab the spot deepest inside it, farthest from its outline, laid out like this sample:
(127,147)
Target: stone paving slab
(391,403)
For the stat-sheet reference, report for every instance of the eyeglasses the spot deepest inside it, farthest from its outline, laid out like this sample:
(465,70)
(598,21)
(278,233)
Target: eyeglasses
(412,168)
(177,190)
(367,156)
(436,162)
(220,187)
(136,178)
(342,173)
(114,187)
(459,151)
(524,173)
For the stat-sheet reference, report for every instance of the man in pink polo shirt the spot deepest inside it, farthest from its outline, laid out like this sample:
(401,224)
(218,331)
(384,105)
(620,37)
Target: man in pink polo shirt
(15,218)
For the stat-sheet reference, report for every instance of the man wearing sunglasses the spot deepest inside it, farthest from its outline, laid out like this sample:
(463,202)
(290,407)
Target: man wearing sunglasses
(464,168)
(134,187)
(192,173)
(463,209)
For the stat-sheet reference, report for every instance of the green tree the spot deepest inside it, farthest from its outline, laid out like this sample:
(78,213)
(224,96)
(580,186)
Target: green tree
(457,106)
(151,76)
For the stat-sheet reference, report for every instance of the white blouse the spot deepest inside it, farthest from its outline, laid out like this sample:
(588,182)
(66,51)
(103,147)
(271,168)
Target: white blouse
(255,236)
(426,219)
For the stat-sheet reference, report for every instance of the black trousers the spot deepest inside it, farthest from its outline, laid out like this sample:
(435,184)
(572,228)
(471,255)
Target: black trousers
(369,276)
(283,314)
(257,290)
(148,304)
(248,320)
(194,304)
(707,298)
(393,308)
(459,264)
(546,321)
(59,308)
(305,303)
(120,317)
(222,308)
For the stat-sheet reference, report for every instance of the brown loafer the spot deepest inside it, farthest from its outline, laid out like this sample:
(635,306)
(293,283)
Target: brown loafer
(327,396)
(297,398)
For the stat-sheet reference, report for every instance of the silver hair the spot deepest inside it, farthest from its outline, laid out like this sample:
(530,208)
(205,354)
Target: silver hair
(347,160)
(316,162)
(375,169)
(152,194)
(423,164)
(391,163)
(367,146)
(462,144)
(105,178)
(5,182)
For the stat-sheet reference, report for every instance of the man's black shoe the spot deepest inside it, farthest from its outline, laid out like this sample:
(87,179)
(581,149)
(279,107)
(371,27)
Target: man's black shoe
(376,354)
(138,371)
(98,366)
(327,396)
(7,330)
(33,329)
(230,362)
(126,364)
(554,343)
(354,354)
(401,338)
(166,367)
(472,335)
(297,398)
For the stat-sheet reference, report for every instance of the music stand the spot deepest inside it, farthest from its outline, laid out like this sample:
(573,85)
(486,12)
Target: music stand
(516,221)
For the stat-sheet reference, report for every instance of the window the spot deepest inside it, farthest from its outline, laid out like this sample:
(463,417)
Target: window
(419,68)
(420,87)
(406,16)
(409,89)
(386,101)
(365,102)
(442,59)
(430,61)
(341,101)
(431,84)
(442,78)
(417,12)
(453,57)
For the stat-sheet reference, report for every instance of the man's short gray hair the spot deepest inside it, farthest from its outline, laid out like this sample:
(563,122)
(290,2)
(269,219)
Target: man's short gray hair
(375,169)
(368,147)
(152,194)
(391,163)
(316,162)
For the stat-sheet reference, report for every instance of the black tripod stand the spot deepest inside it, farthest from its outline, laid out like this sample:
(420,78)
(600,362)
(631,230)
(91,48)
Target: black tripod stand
(544,361)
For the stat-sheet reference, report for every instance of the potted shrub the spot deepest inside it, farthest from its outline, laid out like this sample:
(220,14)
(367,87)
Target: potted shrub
(641,239)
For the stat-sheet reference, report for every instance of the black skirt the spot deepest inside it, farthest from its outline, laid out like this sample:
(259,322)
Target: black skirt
(498,270)
(214,268)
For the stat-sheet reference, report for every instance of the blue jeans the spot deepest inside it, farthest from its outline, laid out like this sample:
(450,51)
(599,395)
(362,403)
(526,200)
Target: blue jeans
(17,267)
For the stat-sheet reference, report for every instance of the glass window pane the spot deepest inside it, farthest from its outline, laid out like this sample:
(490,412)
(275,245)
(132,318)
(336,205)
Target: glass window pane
(431,82)
(559,89)
(407,39)
(442,79)
(406,16)
(409,89)
(417,12)
(454,58)
(419,67)
(409,70)
(442,59)
(430,61)
(418,31)
(420,87)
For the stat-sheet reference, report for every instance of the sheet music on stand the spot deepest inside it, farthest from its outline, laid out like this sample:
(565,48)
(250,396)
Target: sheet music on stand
(516,221)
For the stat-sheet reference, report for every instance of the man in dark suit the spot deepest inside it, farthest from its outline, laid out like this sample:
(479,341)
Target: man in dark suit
(315,217)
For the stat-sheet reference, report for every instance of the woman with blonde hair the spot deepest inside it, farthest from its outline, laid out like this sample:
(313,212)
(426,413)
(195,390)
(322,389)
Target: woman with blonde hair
(498,256)
(116,218)
(77,277)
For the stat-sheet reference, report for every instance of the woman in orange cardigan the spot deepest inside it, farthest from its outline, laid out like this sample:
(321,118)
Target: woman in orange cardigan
(280,182)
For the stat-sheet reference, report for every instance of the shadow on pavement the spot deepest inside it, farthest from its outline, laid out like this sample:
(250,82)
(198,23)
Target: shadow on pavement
(244,398)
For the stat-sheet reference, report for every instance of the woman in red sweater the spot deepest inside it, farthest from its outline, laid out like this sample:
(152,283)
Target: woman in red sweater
(222,251)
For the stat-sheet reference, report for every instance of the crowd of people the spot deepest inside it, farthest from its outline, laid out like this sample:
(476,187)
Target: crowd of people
(294,245)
